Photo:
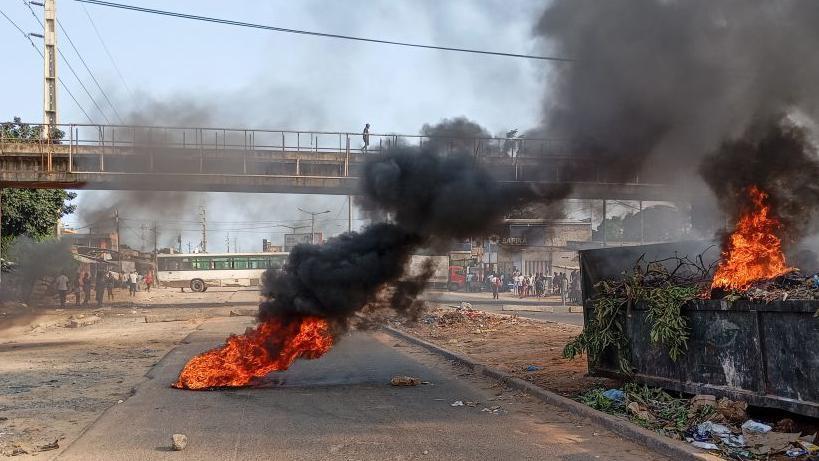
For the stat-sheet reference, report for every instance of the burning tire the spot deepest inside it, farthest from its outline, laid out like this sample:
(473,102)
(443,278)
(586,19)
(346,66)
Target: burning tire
(198,285)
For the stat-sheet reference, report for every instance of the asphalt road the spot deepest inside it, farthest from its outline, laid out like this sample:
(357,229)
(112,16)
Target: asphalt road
(341,407)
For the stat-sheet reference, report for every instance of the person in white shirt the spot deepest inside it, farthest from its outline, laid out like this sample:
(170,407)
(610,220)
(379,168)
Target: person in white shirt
(62,288)
(133,279)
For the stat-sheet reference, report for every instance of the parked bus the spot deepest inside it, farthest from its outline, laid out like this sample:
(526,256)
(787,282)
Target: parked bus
(202,270)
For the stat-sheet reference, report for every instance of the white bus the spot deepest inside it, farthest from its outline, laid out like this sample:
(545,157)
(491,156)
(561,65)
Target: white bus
(199,271)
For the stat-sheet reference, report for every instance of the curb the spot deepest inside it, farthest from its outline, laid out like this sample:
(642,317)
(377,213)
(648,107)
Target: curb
(671,448)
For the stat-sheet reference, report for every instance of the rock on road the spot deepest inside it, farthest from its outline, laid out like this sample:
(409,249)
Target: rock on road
(341,406)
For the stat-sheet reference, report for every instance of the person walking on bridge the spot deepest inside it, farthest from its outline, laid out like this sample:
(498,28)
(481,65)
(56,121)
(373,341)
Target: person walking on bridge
(365,135)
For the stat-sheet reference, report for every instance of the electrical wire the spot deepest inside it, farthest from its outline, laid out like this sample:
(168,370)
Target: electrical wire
(107,52)
(71,68)
(104,94)
(65,87)
(318,34)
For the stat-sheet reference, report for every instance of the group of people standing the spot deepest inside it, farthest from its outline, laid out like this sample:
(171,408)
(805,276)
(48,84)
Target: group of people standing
(540,285)
(104,282)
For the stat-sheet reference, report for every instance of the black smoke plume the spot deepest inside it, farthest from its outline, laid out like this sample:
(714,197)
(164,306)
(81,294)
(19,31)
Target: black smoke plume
(431,198)
(777,157)
(669,88)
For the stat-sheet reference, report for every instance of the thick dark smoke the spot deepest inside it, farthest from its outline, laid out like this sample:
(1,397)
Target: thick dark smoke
(431,198)
(664,82)
(668,88)
(778,158)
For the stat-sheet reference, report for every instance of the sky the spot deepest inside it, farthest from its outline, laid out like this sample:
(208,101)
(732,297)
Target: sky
(177,71)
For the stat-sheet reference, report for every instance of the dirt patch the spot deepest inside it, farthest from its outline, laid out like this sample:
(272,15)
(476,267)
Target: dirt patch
(525,348)
(57,380)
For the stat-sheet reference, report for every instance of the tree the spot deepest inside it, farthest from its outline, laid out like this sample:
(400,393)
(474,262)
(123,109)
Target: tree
(31,212)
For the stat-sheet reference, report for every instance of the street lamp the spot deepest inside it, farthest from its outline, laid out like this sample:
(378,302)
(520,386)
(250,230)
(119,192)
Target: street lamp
(313,215)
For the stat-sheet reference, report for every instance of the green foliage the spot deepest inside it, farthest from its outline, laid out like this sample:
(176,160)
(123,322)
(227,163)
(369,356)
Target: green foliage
(668,327)
(604,331)
(661,291)
(31,212)
(17,130)
(595,399)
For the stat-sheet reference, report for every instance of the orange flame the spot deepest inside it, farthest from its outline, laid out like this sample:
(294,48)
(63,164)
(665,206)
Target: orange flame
(272,346)
(754,251)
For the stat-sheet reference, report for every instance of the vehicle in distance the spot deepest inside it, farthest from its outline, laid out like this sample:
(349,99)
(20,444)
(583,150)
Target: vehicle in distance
(198,271)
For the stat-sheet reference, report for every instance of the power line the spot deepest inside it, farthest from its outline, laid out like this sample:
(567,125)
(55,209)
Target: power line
(65,87)
(71,68)
(318,34)
(104,94)
(110,57)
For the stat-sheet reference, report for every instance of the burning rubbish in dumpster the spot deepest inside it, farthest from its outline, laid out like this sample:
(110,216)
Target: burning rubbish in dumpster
(753,250)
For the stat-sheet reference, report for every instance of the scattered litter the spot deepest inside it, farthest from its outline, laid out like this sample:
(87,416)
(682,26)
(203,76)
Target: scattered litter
(811,448)
(753,426)
(734,411)
(457,403)
(785,425)
(615,394)
(49,446)
(703,400)
(705,445)
(470,403)
(404,381)
(493,409)
(641,412)
(765,443)
(795,452)
(534,368)
(179,442)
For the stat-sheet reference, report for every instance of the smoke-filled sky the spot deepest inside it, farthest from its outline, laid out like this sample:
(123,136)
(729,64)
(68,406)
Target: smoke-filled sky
(191,72)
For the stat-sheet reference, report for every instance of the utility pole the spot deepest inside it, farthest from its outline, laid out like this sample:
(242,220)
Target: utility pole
(189,247)
(142,237)
(50,119)
(349,213)
(204,230)
(313,215)
(155,241)
(227,242)
(116,221)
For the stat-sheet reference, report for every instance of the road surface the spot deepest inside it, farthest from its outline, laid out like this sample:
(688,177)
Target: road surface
(341,407)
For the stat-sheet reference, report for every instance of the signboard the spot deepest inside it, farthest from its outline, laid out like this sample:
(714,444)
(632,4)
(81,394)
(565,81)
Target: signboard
(291,240)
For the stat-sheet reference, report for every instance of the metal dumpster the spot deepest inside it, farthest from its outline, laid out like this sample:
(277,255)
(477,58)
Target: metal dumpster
(765,354)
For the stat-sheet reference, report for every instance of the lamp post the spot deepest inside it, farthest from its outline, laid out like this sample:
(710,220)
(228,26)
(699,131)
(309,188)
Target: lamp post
(313,215)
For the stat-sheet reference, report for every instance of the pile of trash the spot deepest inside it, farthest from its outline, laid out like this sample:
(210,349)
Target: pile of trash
(793,285)
(464,315)
(718,425)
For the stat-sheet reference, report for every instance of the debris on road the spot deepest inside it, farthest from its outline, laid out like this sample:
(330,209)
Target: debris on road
(404,381)
(457,403)
(615,395)
(704,422)
(534,368)
(753,426)
(49,446)
(510,344)
(179,442)
(78,321)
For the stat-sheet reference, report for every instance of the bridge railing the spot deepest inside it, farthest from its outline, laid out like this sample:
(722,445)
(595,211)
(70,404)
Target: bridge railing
(563,163)
(291,140)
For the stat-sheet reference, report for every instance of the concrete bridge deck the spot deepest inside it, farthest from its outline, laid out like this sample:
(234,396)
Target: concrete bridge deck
(149,158)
